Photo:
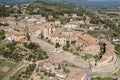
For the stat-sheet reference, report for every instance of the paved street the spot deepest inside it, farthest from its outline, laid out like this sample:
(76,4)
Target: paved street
(44,46)
(67,57)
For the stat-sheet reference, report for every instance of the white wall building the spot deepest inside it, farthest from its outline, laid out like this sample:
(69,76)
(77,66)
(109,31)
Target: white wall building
(70,26)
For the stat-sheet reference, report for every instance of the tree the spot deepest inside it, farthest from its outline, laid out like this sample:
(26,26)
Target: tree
(19,11)
(2,34)
(31,46)
(76,53)
(12,45)
(66,70)
(57,45)
(41,36)
(28,36)
(67,44)
(59,66)
(95,20)
(73,42)
(65,48)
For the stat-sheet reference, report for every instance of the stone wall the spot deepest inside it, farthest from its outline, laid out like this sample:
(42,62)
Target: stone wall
(110,65)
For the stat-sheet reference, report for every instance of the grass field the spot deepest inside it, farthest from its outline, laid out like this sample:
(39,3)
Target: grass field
(5,64)
(15,77)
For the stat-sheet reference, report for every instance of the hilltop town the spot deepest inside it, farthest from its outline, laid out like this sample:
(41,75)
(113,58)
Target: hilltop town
(42,41)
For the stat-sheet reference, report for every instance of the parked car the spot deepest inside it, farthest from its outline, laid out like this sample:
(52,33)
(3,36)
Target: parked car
(58,52)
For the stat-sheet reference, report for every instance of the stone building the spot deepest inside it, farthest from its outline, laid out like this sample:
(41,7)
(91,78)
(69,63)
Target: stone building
(85,41)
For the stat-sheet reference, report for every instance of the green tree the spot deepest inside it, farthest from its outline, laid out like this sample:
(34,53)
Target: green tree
(73,42)
(28,36)
(67,44)
(31,46)
(41,36)
(57,45)
(95,20)
(2,34)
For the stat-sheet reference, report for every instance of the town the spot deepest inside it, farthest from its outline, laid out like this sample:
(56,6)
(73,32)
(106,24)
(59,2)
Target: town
(39,45)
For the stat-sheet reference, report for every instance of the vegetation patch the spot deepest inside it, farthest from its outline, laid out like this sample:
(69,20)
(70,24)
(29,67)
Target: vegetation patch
(16,76)
(105,78)
(5,67)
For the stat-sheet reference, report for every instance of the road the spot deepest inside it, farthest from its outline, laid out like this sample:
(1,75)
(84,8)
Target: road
(68,58)
(44,46)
